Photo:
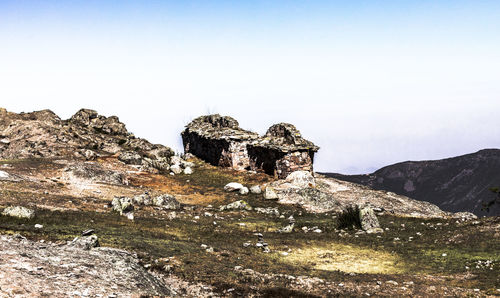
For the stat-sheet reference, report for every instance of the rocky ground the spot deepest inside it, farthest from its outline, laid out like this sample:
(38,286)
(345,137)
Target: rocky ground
(183,234)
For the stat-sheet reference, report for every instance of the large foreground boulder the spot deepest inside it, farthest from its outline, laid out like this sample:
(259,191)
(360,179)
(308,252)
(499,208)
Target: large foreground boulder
(33,269)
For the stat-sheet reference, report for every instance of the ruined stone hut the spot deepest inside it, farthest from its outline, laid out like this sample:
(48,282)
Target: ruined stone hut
(220,141)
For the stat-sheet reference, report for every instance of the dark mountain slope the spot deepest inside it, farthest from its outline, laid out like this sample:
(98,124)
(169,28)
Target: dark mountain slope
(455,184)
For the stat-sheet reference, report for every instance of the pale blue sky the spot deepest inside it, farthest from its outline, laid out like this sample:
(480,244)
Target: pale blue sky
(371,82)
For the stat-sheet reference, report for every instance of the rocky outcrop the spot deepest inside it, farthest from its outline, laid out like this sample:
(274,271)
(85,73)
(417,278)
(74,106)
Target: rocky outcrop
(220,141)
(332,195)
(29,269)
(454,184)
(86,135)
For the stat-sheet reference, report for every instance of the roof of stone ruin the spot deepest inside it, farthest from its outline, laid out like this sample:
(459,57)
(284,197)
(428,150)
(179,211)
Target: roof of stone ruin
(285,137)
(282,136)
(220,128)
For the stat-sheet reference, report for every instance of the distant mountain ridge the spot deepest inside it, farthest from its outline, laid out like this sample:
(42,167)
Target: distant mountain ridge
(454,184)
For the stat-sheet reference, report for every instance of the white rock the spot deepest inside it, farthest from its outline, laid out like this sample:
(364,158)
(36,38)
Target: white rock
(4,175)
(188,171)
(38,226)
(243,191)
(301,179)
(19,212)
(256,189)
(233,186)
(176,169)
(270,194)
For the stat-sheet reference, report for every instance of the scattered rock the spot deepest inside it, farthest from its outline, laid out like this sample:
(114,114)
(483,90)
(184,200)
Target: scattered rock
(176,169)
(4,175)
(85,242)
(243,191)
(269,210)
(270,194)
(122,205)
(238,205)
(255,189)
(166,201)
(19,212)
(38,226)
(88,232)
(233,186)
(188,171)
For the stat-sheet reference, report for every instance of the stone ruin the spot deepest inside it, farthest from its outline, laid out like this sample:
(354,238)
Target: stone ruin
(221,142)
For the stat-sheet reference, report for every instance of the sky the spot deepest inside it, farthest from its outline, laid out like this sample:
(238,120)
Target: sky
(371,82)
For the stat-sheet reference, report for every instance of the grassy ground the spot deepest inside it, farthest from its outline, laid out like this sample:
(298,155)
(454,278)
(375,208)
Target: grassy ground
(427,252)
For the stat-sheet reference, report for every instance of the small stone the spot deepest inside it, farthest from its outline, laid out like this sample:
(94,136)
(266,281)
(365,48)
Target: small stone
(255,189)
(270,194)
(233,186)
(176,169)
(88,232)
(38,226)
(188,171)
(243,191)
(317,231)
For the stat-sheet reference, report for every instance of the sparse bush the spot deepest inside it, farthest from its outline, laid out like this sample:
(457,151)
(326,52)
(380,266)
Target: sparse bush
(349,218)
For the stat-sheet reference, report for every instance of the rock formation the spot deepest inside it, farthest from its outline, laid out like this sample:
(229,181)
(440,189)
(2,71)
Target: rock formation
(220,141)
(86,135)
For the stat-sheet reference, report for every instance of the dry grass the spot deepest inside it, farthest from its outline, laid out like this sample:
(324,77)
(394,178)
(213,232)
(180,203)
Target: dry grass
(346,258)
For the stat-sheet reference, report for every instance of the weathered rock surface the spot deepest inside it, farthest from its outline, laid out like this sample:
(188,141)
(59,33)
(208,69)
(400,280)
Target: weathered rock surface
(94,172)
(19,212)
(29,269)
(130,157)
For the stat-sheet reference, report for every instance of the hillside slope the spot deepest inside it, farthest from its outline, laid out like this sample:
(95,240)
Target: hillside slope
(455,184)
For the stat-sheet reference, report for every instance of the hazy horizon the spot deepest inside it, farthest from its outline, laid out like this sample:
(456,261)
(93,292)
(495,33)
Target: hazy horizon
(372,84)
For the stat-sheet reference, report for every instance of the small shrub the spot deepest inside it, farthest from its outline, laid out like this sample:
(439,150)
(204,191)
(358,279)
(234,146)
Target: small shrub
(349,218)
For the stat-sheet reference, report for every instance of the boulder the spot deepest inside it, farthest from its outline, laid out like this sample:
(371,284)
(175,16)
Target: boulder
(243,191)
(85,242)
(270,194)
(122,205)
(238,205)
(233,186)
(369,221)
(4,175)
(144,199)
(255,189)
(19,212)
(176,169)
(301,179)
(166,201)
(188,171)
